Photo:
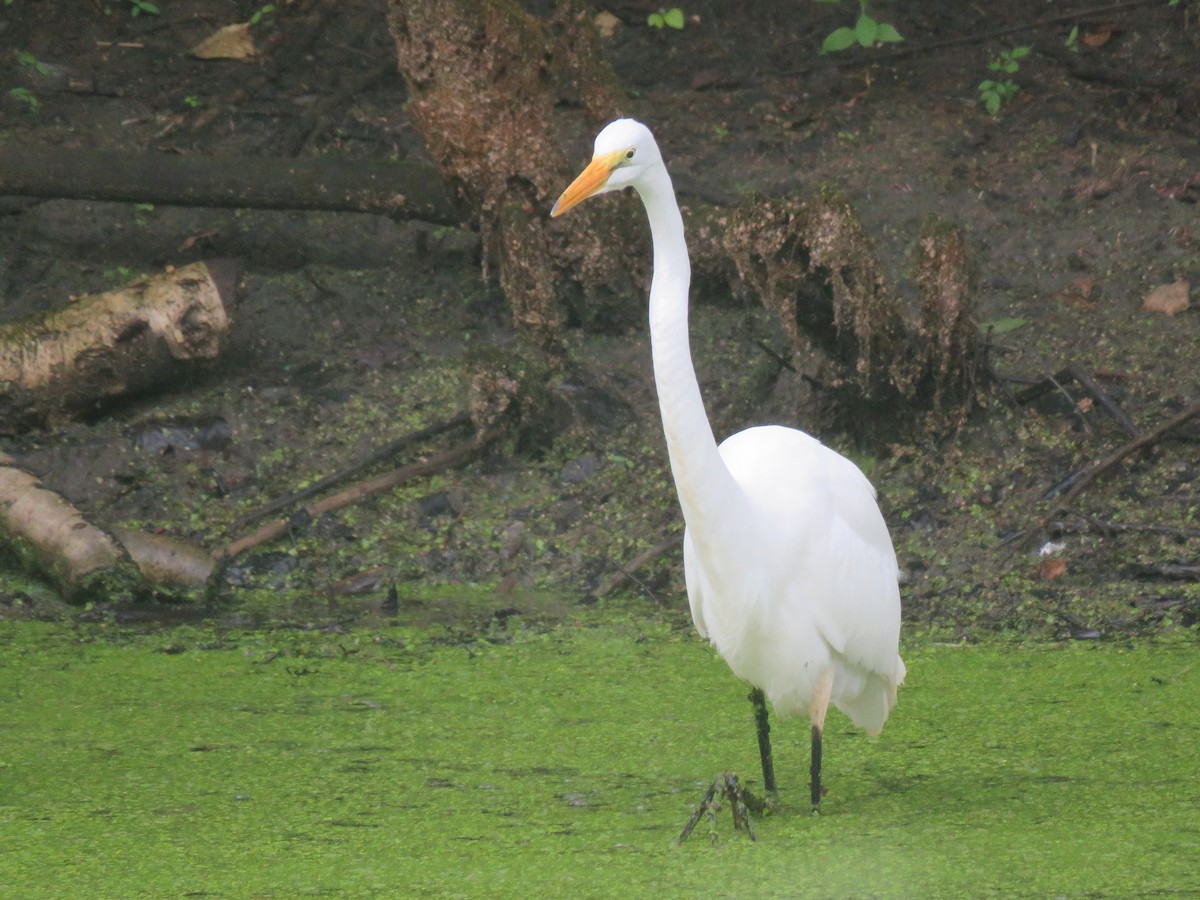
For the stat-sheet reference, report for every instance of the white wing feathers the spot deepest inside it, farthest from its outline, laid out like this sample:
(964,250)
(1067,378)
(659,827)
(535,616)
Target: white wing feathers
(809,581)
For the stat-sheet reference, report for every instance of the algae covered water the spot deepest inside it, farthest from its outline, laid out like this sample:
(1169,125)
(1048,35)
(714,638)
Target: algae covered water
(380,761)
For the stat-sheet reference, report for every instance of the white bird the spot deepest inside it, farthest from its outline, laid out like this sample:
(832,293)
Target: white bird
(789,567)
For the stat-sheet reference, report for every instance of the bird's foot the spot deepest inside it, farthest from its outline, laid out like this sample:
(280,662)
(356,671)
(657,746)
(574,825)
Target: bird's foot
(741,802)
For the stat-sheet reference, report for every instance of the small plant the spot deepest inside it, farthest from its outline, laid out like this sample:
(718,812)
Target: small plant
(29,61)
(671,18)
(994,93)
(867,32)
(24,95)
(263,16)
(138,7)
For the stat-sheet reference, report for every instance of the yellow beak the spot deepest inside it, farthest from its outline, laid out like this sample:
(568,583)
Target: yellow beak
(590,180)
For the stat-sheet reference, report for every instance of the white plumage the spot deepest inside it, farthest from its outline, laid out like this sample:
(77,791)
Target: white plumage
(789,566)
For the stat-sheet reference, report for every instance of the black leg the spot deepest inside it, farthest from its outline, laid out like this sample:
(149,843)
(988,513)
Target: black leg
(815,770)
(759,700)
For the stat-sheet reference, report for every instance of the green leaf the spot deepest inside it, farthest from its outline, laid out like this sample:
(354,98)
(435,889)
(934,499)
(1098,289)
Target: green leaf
(1019,52)
(655,20)
(25,96)
(674,17)
(32,62)
(838,40)
(865,30)
(888,35)
(1001,326)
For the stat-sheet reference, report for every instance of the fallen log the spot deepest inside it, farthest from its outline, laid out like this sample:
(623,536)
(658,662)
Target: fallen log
(401,189)
(73,360)
(165,561)
(50,537)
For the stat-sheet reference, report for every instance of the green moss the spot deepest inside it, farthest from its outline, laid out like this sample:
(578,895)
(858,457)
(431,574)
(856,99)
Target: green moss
(519,760)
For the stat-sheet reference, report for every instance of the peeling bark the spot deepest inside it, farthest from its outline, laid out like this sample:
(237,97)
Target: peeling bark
(484,80)
(50,537)
(166,561)
(812,261)
(73,360)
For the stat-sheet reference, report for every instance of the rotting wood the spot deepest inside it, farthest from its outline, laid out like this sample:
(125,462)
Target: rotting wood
(75,359)
(400,189)
(811,260)
(52,538)
(485,82)
(165,561)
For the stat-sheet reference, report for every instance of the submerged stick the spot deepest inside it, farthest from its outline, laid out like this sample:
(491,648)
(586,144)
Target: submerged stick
(354,494)
(462,420)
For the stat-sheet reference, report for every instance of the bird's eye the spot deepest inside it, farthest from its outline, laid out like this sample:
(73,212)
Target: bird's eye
(629,153)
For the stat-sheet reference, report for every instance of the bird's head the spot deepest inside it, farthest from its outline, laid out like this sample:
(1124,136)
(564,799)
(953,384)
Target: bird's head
(623,152)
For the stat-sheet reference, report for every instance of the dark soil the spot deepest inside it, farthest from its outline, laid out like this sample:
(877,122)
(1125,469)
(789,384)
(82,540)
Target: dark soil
(1078,199)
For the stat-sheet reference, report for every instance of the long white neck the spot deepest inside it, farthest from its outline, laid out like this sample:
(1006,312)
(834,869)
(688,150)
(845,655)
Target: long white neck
(707,491)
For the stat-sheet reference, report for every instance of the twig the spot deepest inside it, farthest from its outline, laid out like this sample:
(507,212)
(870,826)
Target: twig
(1169,571)
(625,573)
(1076,373)
(1095,527)
(1088,475)
(361,491)
(782,361)
(462,420)
(1101,396)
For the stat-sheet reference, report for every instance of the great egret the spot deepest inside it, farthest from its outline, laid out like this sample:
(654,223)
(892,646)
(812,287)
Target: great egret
(789,567)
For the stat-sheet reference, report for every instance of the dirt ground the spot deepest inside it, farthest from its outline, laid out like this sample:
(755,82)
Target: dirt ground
(1078,199)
